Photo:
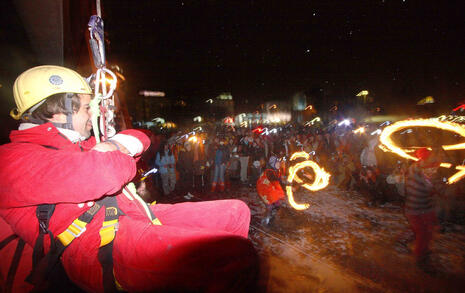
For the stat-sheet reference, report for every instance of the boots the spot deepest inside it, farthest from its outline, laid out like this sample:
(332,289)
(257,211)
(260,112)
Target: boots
(271,211)
(213,187)
(221,186)
(268,216)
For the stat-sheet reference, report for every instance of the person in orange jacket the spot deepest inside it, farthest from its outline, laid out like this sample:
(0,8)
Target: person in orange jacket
(270,190)
(99,232)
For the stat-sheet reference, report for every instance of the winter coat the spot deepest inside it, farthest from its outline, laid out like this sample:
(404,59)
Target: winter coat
(42,166)
(268,186)
(164,162)
(367,157)
(244,149)
(221,155)
(419,192)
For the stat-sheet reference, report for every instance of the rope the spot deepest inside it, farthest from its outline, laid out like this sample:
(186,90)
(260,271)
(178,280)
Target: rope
(99,10)
(131,193)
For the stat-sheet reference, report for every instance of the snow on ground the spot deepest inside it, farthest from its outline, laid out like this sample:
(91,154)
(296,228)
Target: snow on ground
(343,244)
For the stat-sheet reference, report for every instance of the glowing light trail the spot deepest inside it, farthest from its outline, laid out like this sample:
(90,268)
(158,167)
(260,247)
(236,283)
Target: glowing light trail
(321,178)
(457,176)
(387,143)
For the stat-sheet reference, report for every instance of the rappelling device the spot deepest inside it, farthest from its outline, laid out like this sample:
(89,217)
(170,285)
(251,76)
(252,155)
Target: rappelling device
(104,83)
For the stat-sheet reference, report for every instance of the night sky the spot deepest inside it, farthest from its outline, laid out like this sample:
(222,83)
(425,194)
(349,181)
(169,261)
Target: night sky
(258,50)
(399,50)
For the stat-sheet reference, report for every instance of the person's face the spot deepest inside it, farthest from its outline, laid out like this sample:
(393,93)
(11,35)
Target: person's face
(82,118)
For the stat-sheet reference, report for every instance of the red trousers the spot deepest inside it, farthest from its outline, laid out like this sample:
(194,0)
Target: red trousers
(201,247)
(423,227)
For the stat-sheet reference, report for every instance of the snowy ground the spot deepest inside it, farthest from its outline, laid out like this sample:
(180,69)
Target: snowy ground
(342,244)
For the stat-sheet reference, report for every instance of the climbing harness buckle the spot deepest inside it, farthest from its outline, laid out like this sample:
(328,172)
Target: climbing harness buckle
(108,231)
(73,227)
(73,231)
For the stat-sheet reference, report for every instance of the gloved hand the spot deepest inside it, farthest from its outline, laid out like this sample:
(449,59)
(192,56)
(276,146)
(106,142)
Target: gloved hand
(130,141)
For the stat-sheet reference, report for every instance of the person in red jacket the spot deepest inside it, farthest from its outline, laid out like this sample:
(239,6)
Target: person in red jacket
(52,159)
(270,190)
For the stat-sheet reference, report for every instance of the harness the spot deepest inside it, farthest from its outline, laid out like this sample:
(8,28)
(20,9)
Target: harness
(45,265)
(15,261)
(46,268)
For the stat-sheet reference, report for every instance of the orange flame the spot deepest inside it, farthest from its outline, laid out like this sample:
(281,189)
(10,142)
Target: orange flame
(387,143)
(321,178)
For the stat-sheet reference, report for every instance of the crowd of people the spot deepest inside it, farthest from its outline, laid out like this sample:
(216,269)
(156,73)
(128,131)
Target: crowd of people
(217,160)
(213,160)
(226,157)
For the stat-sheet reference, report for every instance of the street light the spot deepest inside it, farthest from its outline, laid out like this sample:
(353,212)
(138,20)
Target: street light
(364,95)
(151,93)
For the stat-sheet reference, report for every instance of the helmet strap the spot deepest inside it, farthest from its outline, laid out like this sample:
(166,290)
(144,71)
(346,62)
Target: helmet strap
(69,117)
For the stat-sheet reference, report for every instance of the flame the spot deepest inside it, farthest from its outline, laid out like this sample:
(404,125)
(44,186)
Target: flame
(321,178)
(388,145)
(299,155)
(457,176)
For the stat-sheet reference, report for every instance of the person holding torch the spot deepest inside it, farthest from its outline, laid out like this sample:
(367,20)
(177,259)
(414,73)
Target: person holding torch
(270,190)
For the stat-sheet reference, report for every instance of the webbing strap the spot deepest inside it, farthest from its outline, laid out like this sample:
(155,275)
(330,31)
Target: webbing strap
(110,224)
(14,265)
(107,235)
(78,226)
(7,240)
(105,257)
(48,263)
(43,212)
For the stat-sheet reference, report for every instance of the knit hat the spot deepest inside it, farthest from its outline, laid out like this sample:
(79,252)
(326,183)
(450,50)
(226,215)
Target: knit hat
(272,162)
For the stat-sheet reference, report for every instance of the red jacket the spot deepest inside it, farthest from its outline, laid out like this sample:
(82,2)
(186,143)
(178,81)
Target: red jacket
(268,186)
(42,166)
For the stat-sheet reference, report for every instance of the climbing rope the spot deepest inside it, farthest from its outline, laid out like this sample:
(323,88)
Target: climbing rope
(103,103)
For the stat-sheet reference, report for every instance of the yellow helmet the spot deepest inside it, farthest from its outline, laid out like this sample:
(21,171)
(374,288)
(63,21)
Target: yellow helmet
(38,83)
